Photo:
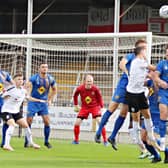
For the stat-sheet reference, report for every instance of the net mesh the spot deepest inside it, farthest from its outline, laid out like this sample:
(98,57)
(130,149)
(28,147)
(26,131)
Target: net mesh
(69,59)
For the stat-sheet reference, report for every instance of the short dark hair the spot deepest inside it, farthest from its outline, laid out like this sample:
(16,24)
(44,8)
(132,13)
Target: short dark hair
(87,76)
(43,63)
(137,50)
(140,41)
(17,75)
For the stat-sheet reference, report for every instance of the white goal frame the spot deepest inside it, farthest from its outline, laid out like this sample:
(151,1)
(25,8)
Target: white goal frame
(116,36)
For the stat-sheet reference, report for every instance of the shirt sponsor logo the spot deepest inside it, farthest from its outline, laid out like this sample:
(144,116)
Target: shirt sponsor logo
(41,90)
(88,100)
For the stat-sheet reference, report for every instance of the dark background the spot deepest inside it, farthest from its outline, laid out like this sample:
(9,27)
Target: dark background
(64,16)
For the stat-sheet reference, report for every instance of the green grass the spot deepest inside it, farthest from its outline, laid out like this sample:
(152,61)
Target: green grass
(65,155)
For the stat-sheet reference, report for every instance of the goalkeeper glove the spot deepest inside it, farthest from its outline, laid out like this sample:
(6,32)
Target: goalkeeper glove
(76,109)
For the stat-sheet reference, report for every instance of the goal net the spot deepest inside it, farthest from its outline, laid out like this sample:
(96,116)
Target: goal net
(71,56)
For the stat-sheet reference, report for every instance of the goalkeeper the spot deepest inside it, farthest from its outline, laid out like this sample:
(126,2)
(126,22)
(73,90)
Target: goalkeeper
(91,102)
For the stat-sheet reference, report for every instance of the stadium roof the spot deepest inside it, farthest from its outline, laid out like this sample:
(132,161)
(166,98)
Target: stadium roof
(38,3)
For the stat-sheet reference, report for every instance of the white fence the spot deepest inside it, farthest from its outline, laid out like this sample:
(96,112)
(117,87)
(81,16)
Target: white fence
(63,118)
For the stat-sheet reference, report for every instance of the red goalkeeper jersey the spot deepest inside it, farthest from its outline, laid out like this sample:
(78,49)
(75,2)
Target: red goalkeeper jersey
(89,97)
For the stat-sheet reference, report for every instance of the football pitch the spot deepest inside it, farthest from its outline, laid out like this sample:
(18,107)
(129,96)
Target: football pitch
(65,155)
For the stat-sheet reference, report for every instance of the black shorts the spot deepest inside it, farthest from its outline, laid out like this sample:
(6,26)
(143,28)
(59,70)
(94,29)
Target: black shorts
(7,116)
(136,102)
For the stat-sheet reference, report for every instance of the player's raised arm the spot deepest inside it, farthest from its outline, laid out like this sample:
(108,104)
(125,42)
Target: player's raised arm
(122,65)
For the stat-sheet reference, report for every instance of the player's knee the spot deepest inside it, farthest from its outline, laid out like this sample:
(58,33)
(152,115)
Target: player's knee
(25,125)
(143,136)
(113,106)
(123,114)
(146,114)
(29,120)
(77,123)
(163,115)
(46,123)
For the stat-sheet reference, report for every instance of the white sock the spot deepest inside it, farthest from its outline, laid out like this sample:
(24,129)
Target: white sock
(136,130)
(149,128)
(137,134)
(28,135)
(131,133)
(135,125)
(162,142)
(9,133)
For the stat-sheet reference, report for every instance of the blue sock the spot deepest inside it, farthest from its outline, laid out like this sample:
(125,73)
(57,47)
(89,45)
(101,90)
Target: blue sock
(103,121)
(46,133)
(4,128)
(119,122)
(151,149)
(162,128)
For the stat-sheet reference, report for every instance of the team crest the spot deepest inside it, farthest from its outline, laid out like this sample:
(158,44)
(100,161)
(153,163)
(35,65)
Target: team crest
(1,87)
(151,91)
(41,90)
(117,97)
(132,109)
(88,100)
(7,116)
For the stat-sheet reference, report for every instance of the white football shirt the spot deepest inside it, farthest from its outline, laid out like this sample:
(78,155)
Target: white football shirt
(138,73)
(13,102)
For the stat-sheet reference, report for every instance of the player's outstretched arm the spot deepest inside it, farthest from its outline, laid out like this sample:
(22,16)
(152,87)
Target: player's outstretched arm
(122,65)
(151,67)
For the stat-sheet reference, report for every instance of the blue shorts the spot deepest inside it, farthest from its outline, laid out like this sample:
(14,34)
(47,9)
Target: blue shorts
(37,107)
(155,120)
(163,99)
(119,95)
